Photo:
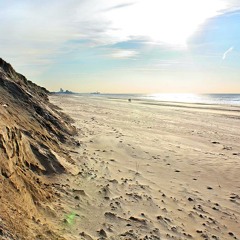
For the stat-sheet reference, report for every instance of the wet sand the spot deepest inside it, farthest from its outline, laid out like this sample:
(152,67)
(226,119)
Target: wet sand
(151,171)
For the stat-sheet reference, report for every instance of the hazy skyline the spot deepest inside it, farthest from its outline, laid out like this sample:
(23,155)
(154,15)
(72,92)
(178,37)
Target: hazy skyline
(139,46)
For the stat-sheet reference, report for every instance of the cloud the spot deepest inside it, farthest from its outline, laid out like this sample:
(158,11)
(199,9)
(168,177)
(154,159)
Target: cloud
(232,5)
(227,52)
(62,20)
(123,5)
(123,54)
(41,29)
(46,30)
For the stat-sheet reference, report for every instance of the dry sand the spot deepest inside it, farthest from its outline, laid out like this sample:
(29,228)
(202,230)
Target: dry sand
(33,140)
(144,171)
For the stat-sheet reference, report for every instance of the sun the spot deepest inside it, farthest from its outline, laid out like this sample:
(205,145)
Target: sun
(163,21)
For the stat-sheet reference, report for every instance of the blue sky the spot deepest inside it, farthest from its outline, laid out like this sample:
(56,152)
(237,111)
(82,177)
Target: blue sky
(121,46)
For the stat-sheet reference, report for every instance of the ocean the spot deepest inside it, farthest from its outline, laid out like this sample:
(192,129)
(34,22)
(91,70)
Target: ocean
(229,99)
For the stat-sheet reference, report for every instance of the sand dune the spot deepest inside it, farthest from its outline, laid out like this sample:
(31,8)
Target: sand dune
(33,136)
(166,171)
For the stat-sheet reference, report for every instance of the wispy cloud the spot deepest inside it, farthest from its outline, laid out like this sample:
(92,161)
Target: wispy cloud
(123,54)
(227,52)
(42,29)
(123,5)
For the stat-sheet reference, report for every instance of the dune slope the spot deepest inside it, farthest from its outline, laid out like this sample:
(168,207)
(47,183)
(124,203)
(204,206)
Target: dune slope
(32,135)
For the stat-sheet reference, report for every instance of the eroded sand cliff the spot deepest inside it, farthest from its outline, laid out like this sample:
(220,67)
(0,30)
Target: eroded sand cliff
(32,135)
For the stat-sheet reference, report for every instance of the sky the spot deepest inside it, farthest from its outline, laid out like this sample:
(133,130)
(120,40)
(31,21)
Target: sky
(124,46)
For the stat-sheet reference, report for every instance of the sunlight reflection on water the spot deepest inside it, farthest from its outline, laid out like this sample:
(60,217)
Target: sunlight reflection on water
(196,98)
(231,99)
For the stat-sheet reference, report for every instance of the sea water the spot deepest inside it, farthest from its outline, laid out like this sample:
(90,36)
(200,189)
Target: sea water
(230,99)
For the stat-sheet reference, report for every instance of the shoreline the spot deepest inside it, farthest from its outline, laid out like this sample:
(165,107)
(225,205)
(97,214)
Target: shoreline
(153,171)
(141,98)
(222,108)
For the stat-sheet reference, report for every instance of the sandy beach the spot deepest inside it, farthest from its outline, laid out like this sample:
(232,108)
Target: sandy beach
(120,120)
(151,171)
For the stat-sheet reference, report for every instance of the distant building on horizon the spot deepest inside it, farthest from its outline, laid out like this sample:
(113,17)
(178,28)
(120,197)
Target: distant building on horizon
(64,91)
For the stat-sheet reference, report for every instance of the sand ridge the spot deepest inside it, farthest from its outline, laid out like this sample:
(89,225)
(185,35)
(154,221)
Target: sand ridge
(33,134)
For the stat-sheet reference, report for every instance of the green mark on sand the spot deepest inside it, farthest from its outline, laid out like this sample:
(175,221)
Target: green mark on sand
(70,218)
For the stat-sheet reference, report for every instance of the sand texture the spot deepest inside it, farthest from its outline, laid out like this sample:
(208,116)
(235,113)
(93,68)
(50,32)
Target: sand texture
(33,140)
(122,171)
(151,171)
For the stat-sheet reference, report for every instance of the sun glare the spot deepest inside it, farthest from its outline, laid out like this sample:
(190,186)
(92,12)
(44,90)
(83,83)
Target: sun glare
(170,22)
